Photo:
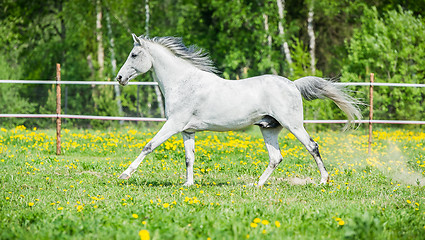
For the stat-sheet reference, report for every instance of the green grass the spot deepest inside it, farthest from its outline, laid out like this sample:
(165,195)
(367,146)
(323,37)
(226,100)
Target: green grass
(77,195)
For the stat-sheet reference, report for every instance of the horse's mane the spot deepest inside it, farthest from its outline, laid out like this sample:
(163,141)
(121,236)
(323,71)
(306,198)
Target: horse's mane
(193,54)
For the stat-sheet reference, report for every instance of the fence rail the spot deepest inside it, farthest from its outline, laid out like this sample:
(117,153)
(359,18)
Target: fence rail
(155,83)
(82,117)
(76,82)
(143,119)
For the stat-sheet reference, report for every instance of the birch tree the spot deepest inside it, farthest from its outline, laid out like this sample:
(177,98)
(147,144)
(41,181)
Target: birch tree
(114,65)
(312,37)
(285,47)
(269,41)
(100,50)
(157,90)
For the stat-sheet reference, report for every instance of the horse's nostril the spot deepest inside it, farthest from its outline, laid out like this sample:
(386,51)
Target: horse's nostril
(119,77)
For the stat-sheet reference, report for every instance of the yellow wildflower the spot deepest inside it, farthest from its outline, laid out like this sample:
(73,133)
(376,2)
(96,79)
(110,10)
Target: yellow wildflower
(144,235)
(265,222)
(135,215)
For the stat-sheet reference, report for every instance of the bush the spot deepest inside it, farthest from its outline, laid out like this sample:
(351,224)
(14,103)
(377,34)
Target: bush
(393,48)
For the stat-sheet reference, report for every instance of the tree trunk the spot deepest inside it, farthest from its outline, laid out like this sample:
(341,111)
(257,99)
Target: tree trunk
(269,41)
(147,17)
(157,90)
(310,31)
(114,66)
(285,48)
(100,50)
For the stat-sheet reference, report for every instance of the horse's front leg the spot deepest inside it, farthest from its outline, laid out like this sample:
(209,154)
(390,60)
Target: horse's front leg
(168,130)
(189,148)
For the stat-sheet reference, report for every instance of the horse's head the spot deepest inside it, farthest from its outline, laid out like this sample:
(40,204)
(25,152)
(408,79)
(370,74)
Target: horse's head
(138,62)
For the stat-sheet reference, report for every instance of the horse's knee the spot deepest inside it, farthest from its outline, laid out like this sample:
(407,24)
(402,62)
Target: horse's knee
(316,148)
(189,161)
(148,148)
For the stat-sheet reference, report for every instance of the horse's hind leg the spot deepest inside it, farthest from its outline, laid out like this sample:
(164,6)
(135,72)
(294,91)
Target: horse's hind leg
(270,136)
(302,135)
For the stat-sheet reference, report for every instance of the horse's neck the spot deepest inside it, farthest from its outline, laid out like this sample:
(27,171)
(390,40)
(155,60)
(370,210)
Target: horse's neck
(170,70)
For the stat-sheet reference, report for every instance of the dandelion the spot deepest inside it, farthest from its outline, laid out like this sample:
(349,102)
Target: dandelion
(408,201)
(79,208)
(31,204)
(257,220)
(144,235)
(253,225)
(265,222)
(341,223)
(166,205)
(60,208)
(277,223)
(135,215)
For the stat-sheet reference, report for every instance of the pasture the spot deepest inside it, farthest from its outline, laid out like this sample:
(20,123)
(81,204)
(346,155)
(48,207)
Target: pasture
(78,195)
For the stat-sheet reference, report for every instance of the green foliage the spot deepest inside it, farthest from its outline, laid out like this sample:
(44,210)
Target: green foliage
(364,226)
(379,38)
(11,100)
(105,104)
(391,45)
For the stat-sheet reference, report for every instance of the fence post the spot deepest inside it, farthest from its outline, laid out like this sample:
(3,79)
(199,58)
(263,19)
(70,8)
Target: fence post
(58,109)
(370,112)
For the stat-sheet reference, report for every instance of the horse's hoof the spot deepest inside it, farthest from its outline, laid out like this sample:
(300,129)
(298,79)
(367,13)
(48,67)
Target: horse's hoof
(324,181)
(124,176)
(253,185)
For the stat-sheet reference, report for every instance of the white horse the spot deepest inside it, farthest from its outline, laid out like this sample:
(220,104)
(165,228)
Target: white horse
(196,99)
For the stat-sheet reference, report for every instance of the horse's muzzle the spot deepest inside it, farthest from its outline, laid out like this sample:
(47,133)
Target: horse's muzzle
(120,80)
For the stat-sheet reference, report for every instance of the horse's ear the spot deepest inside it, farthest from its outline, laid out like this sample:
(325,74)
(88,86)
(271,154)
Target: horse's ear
(137,40)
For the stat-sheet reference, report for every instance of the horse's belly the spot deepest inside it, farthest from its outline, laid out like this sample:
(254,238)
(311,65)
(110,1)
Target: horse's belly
(221,122)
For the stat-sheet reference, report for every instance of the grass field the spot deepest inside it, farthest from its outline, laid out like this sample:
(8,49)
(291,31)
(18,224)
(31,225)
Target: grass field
(77,195)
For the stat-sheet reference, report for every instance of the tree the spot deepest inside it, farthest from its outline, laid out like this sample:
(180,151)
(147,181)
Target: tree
(310,31)
(391,45)
(285,48)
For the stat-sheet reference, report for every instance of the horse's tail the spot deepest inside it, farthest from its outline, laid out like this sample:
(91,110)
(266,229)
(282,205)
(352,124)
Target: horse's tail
(314,87)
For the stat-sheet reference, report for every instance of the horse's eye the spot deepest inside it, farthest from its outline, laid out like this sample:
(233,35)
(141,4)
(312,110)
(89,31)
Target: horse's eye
(133,55)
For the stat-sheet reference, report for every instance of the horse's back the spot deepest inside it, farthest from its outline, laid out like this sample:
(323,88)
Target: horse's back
(231,104)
